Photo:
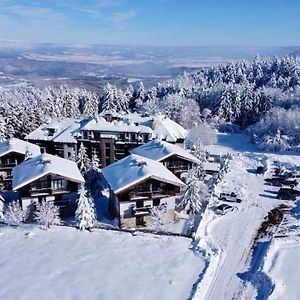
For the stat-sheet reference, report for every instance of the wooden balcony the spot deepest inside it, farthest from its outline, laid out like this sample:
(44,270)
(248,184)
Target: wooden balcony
(141,211)
(145,195)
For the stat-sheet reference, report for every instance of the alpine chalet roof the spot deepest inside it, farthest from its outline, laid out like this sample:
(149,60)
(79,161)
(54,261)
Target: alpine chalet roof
(67,130)
(42,165)
(18,146)
(133,169)
(101,124)
(163,128)
(160,150)
(57,130)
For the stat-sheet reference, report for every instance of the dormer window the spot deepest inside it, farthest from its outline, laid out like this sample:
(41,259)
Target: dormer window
(51,131)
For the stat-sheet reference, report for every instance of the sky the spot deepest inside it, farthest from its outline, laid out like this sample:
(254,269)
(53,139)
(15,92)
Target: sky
(153,22)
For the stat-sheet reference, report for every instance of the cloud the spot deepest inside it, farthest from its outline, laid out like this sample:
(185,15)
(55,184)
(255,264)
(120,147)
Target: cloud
(119,18)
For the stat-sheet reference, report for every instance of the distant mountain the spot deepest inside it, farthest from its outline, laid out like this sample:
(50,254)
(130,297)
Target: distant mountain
(92,64)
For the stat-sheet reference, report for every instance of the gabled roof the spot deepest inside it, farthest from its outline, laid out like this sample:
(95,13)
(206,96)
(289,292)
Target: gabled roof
(18,146)
(163,128)
(160,150)
(133,169)
(42,165)
(115,126)
(64,131)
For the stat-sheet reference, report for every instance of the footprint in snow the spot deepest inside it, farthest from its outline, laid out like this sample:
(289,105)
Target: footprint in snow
(29,235)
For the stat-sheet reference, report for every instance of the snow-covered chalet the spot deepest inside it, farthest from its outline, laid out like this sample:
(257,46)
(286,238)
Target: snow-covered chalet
(48,178)
(173,157)
(139,183)
(12,153)
(110,136)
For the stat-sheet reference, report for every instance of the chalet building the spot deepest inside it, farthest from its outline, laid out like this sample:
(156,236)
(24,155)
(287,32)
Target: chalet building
(173,157)
(48,178)
(12,153)
(110,136)
(138,184)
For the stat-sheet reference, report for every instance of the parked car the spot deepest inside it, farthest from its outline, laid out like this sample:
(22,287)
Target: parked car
(279,181)
(289,190)
(260,170)
(285,195)
(290,183)
(224,208)
(230,197)
(294,176)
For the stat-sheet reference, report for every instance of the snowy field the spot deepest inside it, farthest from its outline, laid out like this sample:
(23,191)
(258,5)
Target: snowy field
(282,266)
(63,263)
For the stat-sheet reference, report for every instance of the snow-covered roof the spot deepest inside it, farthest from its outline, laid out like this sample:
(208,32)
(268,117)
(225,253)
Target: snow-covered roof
(163,128)
(211,166)
(42,165)
(66,130)
(115,126)
(160,150)
(134,169)
(18,146)
(57,130)
(168,130)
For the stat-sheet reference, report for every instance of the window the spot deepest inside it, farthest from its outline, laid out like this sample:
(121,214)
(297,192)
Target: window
(51,131)
(156,202)
(132,137)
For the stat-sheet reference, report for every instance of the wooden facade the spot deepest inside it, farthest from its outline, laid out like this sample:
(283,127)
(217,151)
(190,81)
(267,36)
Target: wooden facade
(177,165)
(7,163)
(60,190)
(136,202)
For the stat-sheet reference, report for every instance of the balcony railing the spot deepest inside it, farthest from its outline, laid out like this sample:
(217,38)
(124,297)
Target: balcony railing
(148,194)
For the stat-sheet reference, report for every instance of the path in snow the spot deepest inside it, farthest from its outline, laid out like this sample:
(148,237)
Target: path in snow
(231,236)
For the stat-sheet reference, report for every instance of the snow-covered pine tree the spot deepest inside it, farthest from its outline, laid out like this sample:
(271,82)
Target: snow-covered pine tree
(14,214)
(47,214)
(85,214)
(109,102)
(1,208)
(158,218)
(28,154)
(2,129)
(194,195)
(95,163)
(90,105)
(72,155)
(83,161)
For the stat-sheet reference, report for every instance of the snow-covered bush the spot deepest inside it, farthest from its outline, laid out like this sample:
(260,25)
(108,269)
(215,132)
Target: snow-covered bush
(158,218)
(47,214)
(85,214)
(278,130)
(14,214)
(200,136)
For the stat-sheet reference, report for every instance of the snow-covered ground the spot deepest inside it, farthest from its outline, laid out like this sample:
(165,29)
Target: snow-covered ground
(229,239)
(63,263)
(282,266)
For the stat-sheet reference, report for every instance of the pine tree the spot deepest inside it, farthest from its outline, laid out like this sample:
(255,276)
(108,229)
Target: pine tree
(83,161)
(1,208)
(47,214)
(90,106)
(194,195)
(28,154)
(14,214)
(85,214)
(109,102)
